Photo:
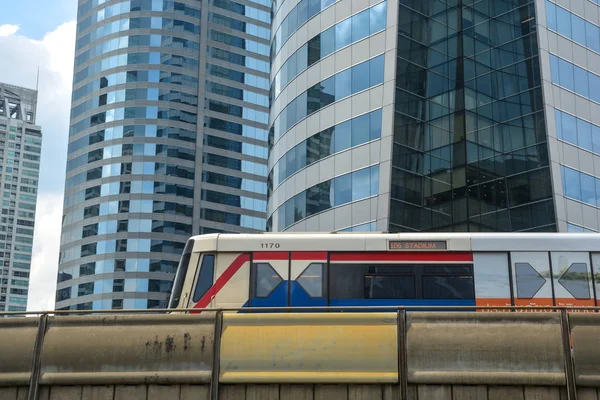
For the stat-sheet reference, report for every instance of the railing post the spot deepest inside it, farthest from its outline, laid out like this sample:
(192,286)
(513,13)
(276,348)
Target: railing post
(34,382)
(567,354)
(216,367)
(402,363)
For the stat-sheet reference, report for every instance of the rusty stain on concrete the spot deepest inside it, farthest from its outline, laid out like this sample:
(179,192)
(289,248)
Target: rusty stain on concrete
(187,341)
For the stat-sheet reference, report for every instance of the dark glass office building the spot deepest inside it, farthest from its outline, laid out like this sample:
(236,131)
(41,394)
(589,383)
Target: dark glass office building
(168,139)
(435,115)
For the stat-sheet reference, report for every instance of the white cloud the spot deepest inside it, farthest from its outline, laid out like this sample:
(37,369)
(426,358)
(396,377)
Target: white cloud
(8,29)
(19,64)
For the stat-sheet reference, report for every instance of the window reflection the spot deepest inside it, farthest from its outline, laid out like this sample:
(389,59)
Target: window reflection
(575,78)
(323,196)
(355,132)
(324,93)
(570,25)
(580,186)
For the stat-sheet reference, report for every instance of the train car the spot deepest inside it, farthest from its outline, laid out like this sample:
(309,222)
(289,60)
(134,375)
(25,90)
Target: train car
(380,269)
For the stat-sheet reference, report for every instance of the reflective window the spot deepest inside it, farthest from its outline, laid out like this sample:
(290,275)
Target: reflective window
(368,227)
(128,6)
(136,40)
(239,59)
(312,278)
(244,10)
(389,287)
(234,182)
(575,78)
(229,218)
(103,30)
(250,114)
(239,94)
(205,276)
(122,113)
(577,131)
(298,16)
(253,29)
(570,25)
(237,76)
(152,58)
(324,93)
(235,164)
(117,78)
(355,132)
(577,228)
(134,94)
(323,196)
(266,280)
(581,186)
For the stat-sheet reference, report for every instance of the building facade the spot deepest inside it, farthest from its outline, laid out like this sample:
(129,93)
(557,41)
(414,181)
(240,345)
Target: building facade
(435,116)
(168,139)
(20,149)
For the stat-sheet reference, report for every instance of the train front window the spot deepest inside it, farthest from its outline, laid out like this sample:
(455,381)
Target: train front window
(177,286)
(205,276)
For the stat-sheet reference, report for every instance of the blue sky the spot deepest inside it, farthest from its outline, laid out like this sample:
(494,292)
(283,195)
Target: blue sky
(38,17)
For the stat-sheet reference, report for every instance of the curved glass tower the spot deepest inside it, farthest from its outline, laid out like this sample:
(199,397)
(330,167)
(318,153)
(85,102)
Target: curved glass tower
(430,115)
(167,140)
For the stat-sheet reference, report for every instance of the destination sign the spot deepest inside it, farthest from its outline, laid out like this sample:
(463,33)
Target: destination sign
(417,245)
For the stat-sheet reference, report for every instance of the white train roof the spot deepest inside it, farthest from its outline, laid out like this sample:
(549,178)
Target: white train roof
(397,242)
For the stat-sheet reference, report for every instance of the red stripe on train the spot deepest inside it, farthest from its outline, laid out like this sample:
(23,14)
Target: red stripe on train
(403,256)
(222,280)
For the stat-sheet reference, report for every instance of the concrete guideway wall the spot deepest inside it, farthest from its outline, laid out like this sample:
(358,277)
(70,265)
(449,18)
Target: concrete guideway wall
(417,355)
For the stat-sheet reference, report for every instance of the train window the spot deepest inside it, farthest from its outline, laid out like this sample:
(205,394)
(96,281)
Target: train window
(175,292)
(349,281)
(389,287)
(529,281)
(575,280)
(448,287)
(205,276)
(401,281)
(311,280)
(267,279)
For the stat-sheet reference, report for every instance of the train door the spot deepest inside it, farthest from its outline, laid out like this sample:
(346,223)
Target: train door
(308,279)
(269,279)
(532,285)
(571,276)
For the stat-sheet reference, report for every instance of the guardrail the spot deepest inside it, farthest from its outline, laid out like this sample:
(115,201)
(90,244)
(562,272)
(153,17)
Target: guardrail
(546,346)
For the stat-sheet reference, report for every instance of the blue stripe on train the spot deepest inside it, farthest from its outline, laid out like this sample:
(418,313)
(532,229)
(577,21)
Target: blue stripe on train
(299,298)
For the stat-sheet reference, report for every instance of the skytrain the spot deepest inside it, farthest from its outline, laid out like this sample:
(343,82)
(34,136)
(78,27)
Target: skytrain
(381,269)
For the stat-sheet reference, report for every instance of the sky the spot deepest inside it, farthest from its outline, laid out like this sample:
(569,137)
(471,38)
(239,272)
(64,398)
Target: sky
(41,33)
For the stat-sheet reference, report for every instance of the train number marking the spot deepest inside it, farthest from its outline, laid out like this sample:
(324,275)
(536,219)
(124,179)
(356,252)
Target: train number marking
(270,245)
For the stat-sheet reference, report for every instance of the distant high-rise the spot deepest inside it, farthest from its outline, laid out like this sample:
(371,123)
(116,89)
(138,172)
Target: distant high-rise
(20,148)
(168,139)
(428,115)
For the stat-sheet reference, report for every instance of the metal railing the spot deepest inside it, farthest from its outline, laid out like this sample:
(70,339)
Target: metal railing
(303,308)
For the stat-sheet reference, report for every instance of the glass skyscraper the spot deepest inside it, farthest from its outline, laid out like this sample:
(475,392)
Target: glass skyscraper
(168,139)
(435,115)
(20,149)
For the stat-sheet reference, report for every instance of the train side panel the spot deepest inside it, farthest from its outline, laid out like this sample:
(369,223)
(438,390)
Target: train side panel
(492,279)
